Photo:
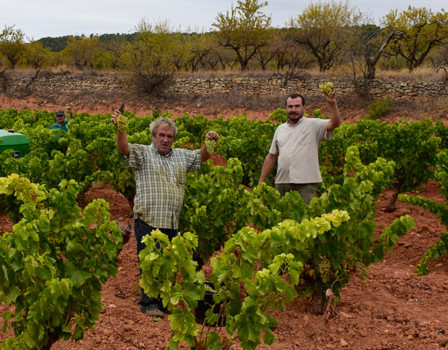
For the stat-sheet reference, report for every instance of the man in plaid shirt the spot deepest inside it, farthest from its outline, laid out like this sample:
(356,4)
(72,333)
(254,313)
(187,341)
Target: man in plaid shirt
(160,176)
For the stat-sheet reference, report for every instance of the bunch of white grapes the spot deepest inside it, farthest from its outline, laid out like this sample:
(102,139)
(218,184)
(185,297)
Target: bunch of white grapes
(327,88)
(121,122)
(210,144)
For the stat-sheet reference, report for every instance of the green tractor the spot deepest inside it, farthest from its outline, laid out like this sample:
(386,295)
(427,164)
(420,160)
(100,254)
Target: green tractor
(14,142)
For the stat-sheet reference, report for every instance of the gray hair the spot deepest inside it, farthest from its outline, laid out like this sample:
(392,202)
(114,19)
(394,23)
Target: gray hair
(162,121)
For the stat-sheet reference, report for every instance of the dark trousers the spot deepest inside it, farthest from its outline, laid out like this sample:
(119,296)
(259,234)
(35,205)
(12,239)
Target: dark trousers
(306,191)
(141,229)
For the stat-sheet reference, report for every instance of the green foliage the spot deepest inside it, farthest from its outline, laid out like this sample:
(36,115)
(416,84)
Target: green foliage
(246,140)
(440,209)
(353,242)
(329,33)
(421,32)
(83,51)
(211,207)
(36,55)
(54,264)
(394,63)
(12,45)
(441,131)
(285,248)
(410,145)
(269,286)
(324,29)
(273,258)
(279,115)
(244,29)
(148,57)
(57,44)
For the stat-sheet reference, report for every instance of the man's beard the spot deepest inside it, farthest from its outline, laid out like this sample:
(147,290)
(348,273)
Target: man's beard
(295,116)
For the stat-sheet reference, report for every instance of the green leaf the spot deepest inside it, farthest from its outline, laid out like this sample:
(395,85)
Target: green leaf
(79,277)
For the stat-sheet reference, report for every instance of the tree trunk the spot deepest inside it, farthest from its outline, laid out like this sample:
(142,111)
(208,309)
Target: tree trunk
(316,306)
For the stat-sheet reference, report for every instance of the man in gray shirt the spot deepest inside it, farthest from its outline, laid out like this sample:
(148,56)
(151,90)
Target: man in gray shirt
(295,147)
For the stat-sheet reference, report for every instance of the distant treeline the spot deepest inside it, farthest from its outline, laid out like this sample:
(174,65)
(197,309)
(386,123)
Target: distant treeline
(57,44)
(330,37)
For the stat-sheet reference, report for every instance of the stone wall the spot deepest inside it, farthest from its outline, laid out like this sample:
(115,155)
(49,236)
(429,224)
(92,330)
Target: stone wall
(106,84)
(308,87)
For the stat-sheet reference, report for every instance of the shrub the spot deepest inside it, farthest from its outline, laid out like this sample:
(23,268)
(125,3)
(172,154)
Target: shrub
(380,108)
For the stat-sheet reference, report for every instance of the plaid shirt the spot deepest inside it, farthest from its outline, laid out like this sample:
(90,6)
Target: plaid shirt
(160,183)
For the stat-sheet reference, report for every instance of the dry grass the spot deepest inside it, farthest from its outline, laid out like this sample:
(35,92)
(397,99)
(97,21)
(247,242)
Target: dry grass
(423,74)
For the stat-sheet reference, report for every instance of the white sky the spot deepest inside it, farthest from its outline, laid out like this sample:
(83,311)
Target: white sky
(50,18)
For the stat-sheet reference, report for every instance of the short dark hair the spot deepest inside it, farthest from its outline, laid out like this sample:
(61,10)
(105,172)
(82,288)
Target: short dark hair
(58,113)
(295,95)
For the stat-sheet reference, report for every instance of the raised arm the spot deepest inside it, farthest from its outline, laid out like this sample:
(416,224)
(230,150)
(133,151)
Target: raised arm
(268,166)
(122,139)
(69,109)
(335,115)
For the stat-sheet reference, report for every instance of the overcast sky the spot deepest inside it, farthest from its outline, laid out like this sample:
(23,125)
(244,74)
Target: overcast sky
(51,18)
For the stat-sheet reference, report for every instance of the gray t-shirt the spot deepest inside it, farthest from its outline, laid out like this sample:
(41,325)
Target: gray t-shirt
(297,148)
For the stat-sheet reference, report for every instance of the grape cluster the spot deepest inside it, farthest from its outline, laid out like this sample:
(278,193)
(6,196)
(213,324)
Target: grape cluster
(121,122)
(325,270)
(210,144)
(327,88)
(362,270)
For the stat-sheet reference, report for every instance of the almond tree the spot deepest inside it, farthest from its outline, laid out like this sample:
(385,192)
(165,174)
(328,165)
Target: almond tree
(244,29)
(149,57)
(12,45)
(370,44)
(423,31)
(324,29)
(83,51)
(37,55)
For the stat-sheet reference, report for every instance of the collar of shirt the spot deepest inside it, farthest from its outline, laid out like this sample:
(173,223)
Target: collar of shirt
(288,122)
(155,150)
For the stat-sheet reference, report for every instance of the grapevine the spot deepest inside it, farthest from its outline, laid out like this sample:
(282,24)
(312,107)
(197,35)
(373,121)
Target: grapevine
(328,88)
(54,263)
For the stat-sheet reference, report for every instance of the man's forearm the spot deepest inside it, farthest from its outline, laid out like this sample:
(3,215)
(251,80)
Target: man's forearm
(268,166)
(204,153)
(335,116)
(122,143)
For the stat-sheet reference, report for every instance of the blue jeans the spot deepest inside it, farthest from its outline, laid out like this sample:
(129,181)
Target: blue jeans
(141,229)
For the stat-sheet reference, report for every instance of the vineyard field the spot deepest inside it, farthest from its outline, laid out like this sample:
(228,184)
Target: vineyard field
(393,308)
